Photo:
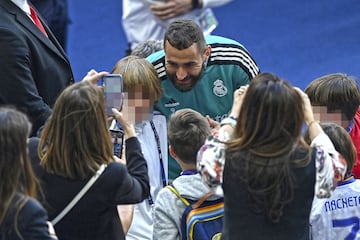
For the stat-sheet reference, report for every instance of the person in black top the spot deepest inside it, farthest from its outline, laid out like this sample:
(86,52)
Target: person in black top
(21,216)
(74,143)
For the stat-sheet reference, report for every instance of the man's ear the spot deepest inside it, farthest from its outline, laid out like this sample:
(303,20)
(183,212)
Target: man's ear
(172,152)
(207,52)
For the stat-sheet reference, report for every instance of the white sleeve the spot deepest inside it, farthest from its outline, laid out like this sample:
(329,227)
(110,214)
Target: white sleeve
(330,166)
(323,140)
(211,160)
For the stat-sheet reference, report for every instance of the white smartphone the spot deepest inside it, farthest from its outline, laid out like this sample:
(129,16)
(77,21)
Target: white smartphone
(113,92)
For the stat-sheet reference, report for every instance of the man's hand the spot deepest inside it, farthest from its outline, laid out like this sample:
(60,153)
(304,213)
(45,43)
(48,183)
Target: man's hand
(171,8)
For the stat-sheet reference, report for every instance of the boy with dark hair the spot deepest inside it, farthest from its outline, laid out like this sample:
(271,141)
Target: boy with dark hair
(336,98)
(187,131)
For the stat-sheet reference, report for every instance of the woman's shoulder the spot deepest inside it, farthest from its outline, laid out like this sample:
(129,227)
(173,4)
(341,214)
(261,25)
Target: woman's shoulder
(26,204)
(33,220)
(113,166)
(31,217)
(33,208)
(114,169)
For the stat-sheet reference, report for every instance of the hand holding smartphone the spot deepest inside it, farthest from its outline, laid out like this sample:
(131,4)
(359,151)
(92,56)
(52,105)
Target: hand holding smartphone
(117,138)
(113,92)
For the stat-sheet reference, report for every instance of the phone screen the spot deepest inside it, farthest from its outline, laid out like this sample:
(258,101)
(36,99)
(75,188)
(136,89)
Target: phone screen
(117,138)
(113,88)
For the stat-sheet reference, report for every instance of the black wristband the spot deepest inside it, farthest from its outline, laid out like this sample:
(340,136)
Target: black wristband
(195,4)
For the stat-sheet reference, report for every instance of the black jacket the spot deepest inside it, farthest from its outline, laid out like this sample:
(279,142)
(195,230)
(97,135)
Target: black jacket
(34,69)
(31,222)
(95,216)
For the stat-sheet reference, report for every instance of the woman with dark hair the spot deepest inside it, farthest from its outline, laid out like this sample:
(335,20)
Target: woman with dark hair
(74,145)
(270,174)
(21,216)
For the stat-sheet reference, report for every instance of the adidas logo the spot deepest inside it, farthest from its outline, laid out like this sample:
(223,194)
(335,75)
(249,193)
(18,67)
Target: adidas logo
(172,103)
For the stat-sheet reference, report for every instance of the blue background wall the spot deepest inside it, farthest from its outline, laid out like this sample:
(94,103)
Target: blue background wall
(298,40)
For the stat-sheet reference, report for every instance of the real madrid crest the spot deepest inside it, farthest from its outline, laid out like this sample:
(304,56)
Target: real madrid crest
(219,88)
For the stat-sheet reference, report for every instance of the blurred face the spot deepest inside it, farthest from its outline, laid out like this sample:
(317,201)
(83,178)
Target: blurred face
(137,106)
(185,67)
(321,114)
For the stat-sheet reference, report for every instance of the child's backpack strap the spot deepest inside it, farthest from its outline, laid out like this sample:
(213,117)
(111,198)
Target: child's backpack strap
(185,201)
(173,189)
(201,219)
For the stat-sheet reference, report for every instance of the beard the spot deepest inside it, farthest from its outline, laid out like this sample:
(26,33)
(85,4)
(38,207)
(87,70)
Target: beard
(192,80)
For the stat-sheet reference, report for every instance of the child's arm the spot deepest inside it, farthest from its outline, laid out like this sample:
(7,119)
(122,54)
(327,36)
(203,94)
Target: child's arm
(167,216)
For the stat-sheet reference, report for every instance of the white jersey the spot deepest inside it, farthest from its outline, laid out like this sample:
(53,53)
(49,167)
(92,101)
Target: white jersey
(337,217)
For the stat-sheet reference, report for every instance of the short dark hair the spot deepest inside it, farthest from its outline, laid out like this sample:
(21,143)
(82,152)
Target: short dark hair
(187,132)
(183,33)
(336,91)
(145,49)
